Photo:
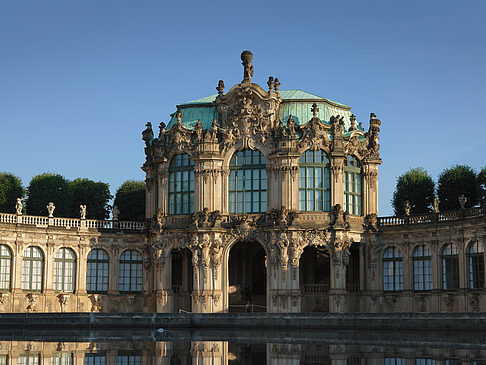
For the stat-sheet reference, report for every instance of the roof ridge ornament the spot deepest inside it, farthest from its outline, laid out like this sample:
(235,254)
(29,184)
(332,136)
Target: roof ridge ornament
(220,87)
(315,110)
(247,57)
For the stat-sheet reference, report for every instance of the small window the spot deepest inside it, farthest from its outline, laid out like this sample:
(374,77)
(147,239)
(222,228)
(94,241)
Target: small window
(450,267)
(95,359)
(422,269)
(128,359)
(32,269)
(62,359)
(5,267)
(130,272)
(64,270)
(3,359)
(475,257)
(98,272)
(28,359)
(392,270)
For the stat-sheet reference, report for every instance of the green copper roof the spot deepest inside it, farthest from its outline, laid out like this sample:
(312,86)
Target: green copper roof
(296,102)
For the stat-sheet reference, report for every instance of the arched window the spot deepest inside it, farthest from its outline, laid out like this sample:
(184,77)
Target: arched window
(5,267)
(32,268)
(450,267)
(392,269)
(314,182)
(475,257)
(130,272)
(64,270)
(97,274)
(181,185)
(353,187)
(248,182)
(422,268)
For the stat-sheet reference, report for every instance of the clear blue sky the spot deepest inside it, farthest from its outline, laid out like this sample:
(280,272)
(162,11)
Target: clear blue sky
(78,79)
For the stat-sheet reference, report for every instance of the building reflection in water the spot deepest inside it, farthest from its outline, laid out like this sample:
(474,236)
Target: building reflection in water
(222,352)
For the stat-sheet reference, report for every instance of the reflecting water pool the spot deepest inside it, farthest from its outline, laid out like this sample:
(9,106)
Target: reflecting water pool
(164,347)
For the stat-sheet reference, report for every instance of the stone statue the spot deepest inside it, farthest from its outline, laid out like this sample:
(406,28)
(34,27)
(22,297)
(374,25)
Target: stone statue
(436,204)
(50,209)
(148,134)
(407,207)
(462,201)
(162,130)
(291,126)
(277,84)
(198,128)
(19,206)
(220,87)
(247,57)
(82,211)
(115,212)
(270,83)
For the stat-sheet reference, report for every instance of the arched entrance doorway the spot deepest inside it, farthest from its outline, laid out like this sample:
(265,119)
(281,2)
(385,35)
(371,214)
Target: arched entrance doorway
(315,275)
(247,285)
(181,284)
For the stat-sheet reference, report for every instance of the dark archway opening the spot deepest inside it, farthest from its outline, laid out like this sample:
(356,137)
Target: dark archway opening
(247,278)
(182,274)
(314,278)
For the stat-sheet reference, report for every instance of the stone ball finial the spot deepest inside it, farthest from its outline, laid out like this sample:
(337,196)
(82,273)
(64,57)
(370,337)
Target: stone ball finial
(246,56)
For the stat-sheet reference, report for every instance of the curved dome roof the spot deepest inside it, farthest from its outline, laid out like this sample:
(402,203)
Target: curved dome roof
(295,102)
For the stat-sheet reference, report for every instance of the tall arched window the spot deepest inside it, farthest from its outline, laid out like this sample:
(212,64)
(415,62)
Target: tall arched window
(5,267)
(422,268)
(475,258)
(64,270)
(314,182)
(392,269)
(353,187)
(97,274)
(32,268)
(130,272)
(248,182)
(450,267)
(181,185)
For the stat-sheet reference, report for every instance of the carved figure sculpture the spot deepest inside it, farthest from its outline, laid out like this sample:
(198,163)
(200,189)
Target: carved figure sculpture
(198,129)
(436,204)
(407,207)
(19,206)
(115,212)
(247,57)
(220,87)
(50,209)
(82,211)
(148,134)
(462,201)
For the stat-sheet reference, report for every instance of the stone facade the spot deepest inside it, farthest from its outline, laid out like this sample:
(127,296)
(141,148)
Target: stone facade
(250,206)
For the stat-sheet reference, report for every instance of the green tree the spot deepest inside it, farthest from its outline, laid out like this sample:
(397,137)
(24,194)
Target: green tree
(95,195)
(45,188)
(417,187)
(10,189)
(482,186)
(130,200)
(457,180)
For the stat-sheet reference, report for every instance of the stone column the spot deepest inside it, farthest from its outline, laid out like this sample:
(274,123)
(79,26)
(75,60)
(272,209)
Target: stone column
(164,300)
(370,186)
(283,275)
(150,204)
(339,255)
(207,295)
(337,178)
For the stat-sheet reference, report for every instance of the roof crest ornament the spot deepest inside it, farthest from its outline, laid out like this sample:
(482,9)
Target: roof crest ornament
(247,57)
(220,87)
(315,110)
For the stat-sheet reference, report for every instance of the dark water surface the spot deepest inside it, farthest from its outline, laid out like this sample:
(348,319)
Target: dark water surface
(240,347)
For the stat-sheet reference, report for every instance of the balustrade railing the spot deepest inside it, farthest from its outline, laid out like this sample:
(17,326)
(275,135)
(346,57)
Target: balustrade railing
(71,222)
(432,217)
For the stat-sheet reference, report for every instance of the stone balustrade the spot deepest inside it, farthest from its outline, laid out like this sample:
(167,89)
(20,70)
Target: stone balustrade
(451,215)
(69,223)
